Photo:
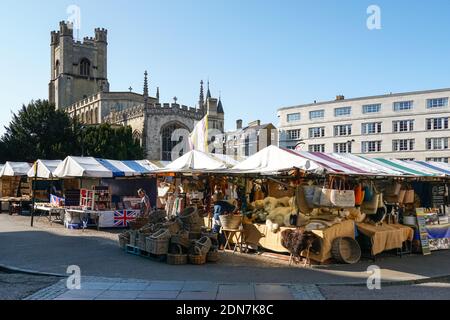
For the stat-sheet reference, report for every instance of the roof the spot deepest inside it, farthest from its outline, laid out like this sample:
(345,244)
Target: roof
(365,98)
(220,107)
(45,168)
(11,169)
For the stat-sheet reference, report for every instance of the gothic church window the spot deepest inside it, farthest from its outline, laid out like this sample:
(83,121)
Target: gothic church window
(85,67)
(56,69)
(166,139)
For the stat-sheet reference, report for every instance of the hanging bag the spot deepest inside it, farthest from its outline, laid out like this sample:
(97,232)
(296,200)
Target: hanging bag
(300,201)
(409,195)
(368,192)
(371,206)
(359,194)
(309,192)
(342,198)
(325,194)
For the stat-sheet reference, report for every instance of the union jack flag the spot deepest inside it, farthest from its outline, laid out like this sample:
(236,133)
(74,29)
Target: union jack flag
(123,217)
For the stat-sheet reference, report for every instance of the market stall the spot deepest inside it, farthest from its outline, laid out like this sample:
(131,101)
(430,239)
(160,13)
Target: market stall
(15,188)
(107,190)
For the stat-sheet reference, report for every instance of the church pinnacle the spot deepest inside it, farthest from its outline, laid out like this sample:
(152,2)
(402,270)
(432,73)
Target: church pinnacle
(145,87)
(201,101)
(208,93)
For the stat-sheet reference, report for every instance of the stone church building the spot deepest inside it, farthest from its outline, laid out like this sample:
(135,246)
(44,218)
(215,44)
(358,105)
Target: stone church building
(79,85)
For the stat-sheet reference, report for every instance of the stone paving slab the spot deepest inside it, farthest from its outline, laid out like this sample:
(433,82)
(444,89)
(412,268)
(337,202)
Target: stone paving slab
(93,288)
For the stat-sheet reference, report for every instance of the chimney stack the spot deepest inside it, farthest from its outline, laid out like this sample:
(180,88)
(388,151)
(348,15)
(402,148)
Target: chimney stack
(239,124)
(340,97)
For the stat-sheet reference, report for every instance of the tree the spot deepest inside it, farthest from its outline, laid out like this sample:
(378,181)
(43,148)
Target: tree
(39,131)
(111,142)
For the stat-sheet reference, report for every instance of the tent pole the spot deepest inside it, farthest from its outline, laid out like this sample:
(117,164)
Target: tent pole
(34,192)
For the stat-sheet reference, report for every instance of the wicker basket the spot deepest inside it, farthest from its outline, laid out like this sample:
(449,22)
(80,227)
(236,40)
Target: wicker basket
(346,250)
(161,234)
(123,241)
(141,240)
(230,221)
(213,256)
(197,259)
(177,258)
(194,235)
(204,244)
(157,246)
(189,215)
(172,226)
(133,238)
(138,223)
(180,239)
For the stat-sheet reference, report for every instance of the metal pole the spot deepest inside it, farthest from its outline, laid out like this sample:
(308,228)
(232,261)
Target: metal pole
(34,192)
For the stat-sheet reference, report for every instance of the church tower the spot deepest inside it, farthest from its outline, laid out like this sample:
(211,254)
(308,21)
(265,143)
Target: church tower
(78,69)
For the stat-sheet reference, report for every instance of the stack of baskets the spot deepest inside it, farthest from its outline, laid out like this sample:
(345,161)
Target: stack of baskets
(199,250)
(138,223)
(133,238)
(213,255)
(143,233)
(230,221)
(158,243)
(192,222)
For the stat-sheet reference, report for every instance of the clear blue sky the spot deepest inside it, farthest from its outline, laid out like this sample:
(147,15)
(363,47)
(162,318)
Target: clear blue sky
(261,55)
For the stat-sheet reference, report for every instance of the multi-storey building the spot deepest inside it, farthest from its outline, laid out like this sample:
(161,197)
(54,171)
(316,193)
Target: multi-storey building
(412,125)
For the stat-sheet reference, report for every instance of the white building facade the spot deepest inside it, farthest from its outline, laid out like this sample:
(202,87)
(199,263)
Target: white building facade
(413,125)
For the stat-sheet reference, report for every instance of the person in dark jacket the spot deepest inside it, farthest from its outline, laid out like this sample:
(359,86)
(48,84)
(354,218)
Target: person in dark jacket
(220,207)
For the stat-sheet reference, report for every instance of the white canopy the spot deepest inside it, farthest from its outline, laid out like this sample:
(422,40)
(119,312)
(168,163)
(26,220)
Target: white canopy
(45,168)
(228,159)
(194,160)
(273,159)
(89,167)
(12,169)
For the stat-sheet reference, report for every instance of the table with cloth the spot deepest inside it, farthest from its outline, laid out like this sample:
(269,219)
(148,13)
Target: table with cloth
(386,236)
(260,234)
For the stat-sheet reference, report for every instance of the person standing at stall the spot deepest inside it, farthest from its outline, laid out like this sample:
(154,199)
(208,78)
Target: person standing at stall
(145,203)
(220,207)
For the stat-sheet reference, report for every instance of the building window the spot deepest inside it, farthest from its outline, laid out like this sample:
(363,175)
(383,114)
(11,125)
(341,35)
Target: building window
(437,103)
(403,105)
(437,123)
(343,111)
(371,108)
(290,147)
(403,125)
(317,132)
(371,127)
(342,130)
(316,148)
(292,117)
(167,143)
(293,134)
(370,146)
(437,143)
(406,159)
(438,159)
(85,67)
(57,71)
(403,145)
(317,114)
(344,147)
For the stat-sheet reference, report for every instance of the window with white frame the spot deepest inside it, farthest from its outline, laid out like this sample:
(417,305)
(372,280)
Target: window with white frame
(403,145)
(371,127)
(370,146)
(403,125)
(342,130)
(438,159)
(403,105)
(293,134)
(316,148)
(343,147)
(437,123)
(436,143)
(343,111)
(437,103)
(371,108)
(292,117)
(316,114)
(317,132)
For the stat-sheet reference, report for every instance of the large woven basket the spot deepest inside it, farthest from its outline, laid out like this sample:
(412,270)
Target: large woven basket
(177,258)
(346,250)
(141,240)
(230,221)
(203,244)
(189,215)
(197,259)
(172,226)
(211,235)
(194,235)
(157,246)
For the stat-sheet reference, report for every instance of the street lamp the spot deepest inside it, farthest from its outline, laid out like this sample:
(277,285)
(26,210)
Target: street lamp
(349,145)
